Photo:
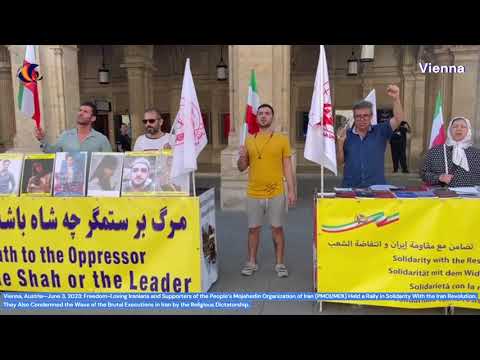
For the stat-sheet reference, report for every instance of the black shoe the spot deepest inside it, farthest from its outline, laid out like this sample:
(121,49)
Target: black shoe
(405,171)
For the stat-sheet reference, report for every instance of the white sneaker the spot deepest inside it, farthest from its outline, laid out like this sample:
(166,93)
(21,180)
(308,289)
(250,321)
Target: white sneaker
(249,268)
(281,270)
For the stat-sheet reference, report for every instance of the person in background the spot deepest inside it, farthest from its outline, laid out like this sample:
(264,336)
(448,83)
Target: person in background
(398,144)
(125,142)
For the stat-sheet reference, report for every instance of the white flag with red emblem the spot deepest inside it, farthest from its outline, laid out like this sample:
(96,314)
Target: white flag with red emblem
(320,142)
(190,135)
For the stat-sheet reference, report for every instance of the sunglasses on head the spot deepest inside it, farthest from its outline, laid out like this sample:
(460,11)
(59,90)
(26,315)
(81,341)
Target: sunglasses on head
(150,121)
(143,170)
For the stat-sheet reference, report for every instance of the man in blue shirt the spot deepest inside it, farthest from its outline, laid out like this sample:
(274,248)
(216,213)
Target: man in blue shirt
(81,138)
(362,148)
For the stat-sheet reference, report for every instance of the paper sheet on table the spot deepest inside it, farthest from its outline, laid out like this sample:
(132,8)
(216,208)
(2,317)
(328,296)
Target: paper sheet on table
(465,190)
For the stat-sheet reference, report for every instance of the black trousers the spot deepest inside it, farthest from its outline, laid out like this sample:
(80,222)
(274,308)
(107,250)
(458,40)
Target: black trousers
(399,154)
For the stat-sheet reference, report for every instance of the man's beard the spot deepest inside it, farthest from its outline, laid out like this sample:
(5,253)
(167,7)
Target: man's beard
(137,184)
(152,130)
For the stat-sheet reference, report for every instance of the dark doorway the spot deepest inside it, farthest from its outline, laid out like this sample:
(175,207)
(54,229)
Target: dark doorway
(101,124)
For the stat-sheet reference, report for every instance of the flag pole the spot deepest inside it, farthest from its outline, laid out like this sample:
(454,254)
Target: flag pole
(193,181)
(321,185)
(445,157)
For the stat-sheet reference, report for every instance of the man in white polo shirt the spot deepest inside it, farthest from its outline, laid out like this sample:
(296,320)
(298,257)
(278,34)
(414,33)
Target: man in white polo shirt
(153,139)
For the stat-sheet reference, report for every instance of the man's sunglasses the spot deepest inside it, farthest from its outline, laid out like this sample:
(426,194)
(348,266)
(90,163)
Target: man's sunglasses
(150,121)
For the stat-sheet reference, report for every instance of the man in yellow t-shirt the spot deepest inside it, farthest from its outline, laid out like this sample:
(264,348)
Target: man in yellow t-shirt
(267,155)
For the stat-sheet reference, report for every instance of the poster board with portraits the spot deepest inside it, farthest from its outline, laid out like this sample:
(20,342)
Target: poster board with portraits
(37,175)
(105,175)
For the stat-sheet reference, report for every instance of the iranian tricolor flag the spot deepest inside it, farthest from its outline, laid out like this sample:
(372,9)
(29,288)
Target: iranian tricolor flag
(437,136)
(253,102)
(28,99)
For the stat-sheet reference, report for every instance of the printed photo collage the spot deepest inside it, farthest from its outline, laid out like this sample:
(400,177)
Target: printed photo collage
(74,174)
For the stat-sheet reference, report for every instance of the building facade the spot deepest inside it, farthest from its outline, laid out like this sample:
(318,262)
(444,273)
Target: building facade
(144,76)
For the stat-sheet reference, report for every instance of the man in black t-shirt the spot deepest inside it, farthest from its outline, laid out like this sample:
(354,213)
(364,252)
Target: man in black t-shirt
(398,143)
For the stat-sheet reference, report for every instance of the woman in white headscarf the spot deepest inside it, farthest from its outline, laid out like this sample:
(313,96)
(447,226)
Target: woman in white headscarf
(462,158)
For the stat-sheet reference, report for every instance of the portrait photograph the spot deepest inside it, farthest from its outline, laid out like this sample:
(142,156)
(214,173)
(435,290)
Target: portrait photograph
(164,183)
(37,176)
(70,174)
(10,173)
(138,174)
(105,177)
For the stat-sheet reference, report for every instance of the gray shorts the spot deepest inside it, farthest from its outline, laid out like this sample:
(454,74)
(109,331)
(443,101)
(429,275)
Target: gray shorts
(274,208)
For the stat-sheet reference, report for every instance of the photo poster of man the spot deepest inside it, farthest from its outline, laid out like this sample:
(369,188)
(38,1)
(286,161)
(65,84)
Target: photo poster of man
(70,174)
(37,175)
(10,173)
(138,173)
(164,184)
(105,174)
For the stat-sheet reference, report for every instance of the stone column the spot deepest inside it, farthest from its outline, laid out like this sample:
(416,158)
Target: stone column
(272,68)
(7,107)
(138,61)
(59,93)
(410,97)
(215,121)
(417,136)
(465,91)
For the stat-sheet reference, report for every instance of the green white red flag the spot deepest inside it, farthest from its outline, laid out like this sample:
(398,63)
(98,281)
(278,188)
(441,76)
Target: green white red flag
(253,102)
(438,136)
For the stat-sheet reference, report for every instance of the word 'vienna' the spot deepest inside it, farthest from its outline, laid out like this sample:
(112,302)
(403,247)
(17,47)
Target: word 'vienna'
(449,69)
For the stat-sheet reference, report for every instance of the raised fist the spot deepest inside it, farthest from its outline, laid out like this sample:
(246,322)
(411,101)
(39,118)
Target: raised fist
(393,91)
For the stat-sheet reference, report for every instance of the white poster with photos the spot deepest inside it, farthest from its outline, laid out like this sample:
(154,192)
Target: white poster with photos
(139,173)
(70,174)
(105,175)
(10,173)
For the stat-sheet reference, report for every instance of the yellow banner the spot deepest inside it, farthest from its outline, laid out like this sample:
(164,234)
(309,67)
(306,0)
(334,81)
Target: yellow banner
(399,246)
(100,244)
